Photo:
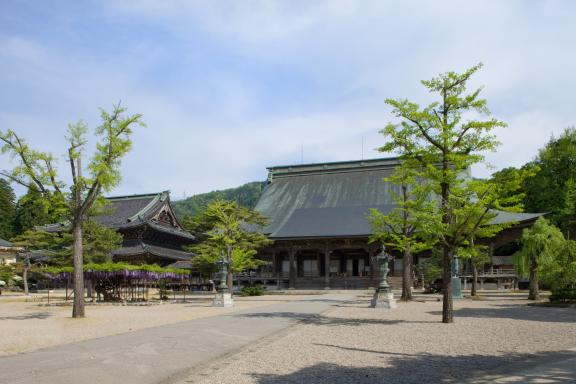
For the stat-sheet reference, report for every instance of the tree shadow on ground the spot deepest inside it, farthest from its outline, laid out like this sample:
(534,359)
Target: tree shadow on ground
(30,316)
(427,368)
(316,319)
(515,312)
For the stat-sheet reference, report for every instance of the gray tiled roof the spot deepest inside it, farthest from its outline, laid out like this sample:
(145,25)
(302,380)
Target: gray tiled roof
(155,250)
(125,212)
(333,199)
(5,243)
(181,265)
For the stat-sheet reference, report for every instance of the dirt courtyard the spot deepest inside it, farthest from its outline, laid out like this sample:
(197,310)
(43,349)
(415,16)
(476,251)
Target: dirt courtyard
(27,326)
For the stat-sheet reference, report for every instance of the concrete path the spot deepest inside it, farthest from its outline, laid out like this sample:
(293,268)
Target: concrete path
(555,371)
(162,354)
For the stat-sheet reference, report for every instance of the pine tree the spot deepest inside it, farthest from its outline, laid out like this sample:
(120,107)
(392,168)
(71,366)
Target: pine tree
(7,210)
(32,210)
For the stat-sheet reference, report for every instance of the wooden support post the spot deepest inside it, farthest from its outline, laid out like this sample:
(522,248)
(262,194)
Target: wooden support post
(318,265)
(275,269)
(326,267)
(292,278)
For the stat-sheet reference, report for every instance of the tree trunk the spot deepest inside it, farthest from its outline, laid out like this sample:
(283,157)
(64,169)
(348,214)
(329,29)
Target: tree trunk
(407,275)
(474,279)
(447,308)
(25,278)
(230,282)
(78,306)
(533,292)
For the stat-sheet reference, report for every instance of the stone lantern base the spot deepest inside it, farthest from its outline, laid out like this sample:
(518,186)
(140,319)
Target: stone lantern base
(383,300)
(223,300)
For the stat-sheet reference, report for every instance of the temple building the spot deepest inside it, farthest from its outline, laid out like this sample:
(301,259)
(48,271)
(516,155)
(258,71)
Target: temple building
(318,219)
(8,252)
(152,233)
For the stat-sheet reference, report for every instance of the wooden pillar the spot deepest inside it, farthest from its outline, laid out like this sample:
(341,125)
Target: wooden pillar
(275,269)
(326,267)
(319,264)
(292,278)
(371,263)
(491,255)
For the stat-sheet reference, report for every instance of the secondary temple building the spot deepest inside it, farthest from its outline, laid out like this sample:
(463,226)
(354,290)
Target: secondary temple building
(152,233)
(318,219)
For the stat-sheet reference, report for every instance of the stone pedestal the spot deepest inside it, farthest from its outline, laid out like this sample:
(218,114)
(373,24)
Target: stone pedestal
(456,288)
(383,300)
(223,300)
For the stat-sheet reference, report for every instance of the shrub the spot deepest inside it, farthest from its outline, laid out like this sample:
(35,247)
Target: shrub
(253,290)
(564,295)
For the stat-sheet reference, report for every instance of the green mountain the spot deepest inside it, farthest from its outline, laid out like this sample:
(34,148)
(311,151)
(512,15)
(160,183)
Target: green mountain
(246,195)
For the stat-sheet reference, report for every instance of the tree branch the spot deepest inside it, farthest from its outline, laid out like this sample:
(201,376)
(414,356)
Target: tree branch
(425,133)
(16,180)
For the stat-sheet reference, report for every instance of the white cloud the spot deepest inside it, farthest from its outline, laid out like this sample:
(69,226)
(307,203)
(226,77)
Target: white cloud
(220,126)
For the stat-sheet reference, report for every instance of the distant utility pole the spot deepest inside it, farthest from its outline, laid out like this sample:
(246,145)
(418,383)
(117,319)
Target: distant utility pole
(302,154)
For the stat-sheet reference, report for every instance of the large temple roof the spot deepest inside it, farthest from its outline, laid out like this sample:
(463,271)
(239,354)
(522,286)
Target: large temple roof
(333,199)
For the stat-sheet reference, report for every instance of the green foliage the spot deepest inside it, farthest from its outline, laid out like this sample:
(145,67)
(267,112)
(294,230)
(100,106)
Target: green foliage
(446,145)
(541,245)
(403,229)
(33,209)
(246,195)
(228,230)
(52,242)
(7,274)
(253,290)
(430,268)
(553,189)
(476,254)
(559,272)
(98,242)
(7,209)
(116,267)
(36,169)
(447,141)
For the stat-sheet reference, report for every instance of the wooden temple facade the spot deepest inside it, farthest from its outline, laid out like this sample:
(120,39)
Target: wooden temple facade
(151,232)
(318,219)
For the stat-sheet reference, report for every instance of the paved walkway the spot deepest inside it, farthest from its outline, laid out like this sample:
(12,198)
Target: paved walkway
(555,371)
(161,354)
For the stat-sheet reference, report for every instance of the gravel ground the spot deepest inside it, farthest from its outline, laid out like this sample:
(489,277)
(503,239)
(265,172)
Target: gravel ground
(26,326)
(356,344)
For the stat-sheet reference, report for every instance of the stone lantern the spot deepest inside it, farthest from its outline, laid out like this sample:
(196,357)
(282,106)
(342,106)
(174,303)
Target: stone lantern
(383,297)
(456,283)
(223,297)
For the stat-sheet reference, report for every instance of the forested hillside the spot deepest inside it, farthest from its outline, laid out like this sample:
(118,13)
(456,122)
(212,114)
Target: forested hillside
(246,195)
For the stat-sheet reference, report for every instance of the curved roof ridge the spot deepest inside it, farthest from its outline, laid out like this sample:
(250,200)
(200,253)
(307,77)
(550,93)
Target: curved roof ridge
(159,197)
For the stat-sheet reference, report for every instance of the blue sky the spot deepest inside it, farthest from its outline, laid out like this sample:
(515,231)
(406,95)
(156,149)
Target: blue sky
(230,87)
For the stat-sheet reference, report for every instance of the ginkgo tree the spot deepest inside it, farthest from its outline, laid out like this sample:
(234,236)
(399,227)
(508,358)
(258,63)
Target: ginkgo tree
(37,169)
(447,137)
